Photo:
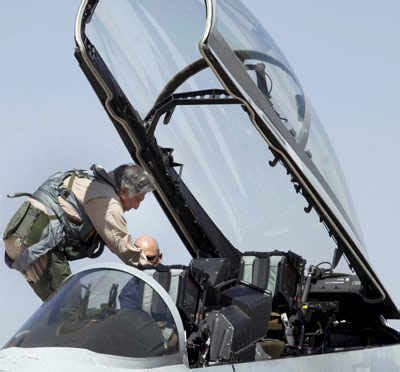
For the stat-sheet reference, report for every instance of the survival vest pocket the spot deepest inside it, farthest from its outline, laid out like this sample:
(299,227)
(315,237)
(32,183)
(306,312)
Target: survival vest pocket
(28,223)
(16,220)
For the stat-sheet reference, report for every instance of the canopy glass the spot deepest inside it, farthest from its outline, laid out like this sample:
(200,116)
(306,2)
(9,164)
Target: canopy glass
(225,160)
(273,75)
(96,303)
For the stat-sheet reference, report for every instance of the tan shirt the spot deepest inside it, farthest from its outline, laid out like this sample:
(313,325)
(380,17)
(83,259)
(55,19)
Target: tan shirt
(103,207)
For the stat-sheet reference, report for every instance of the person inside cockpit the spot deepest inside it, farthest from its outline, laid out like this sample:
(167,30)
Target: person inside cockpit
(139,301)
(132,293)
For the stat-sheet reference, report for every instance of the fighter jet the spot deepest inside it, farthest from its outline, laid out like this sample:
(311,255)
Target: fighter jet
(205,101)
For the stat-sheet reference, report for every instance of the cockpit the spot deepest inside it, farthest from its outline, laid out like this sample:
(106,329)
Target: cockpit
(110,311)
(207,313)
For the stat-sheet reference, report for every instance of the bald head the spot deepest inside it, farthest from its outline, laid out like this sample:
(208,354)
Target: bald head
(149,247)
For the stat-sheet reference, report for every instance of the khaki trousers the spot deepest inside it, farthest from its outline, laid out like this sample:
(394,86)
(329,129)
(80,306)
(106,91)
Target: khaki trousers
(46,274)
(56,272)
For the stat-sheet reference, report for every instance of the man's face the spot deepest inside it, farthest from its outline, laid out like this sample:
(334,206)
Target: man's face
(149,247)
(152,254)
(129,202)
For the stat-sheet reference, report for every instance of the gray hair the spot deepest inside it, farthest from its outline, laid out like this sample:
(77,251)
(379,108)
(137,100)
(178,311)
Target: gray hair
(133,178)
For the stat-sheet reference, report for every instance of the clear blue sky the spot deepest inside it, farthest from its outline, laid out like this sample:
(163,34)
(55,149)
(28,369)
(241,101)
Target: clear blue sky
(344,53)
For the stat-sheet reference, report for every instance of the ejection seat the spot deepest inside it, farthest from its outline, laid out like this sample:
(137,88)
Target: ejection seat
(223,317)
(281,274)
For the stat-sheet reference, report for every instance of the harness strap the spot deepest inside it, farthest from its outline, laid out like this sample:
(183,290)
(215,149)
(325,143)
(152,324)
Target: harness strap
(71,182)
(13,195)
(86,229)
(100,173)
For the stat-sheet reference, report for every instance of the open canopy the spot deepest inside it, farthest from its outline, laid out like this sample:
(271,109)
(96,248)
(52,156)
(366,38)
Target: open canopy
(240,159)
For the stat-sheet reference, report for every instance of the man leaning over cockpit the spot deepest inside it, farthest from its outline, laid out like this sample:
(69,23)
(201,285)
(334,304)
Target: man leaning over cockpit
(72,215)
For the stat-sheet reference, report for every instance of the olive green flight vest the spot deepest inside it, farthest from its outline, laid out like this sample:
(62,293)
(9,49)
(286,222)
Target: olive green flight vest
(41,233)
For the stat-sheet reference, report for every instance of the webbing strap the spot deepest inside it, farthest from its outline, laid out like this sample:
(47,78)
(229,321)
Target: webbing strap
(147,298)
(86,229)
(273,273)
(71,182)
(247,268)
(174,286)
(100,174)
